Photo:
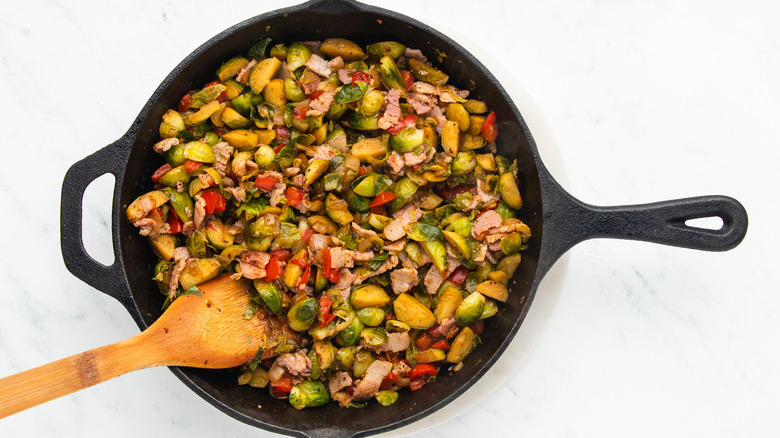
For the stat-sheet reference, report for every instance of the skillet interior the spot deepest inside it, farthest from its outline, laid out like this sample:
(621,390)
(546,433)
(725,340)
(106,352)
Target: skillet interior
(361,24)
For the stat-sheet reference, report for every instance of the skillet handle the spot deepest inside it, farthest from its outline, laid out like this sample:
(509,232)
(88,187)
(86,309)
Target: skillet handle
(108,279)
(569,221)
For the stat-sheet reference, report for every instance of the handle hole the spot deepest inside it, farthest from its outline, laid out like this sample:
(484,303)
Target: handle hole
(714,223)
(96,219)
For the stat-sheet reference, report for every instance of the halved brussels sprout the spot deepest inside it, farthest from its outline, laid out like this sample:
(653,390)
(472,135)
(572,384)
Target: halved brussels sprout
(270,295)
(363,358)
(202,114)
(144,204)
(199,271)
(407,140)
(297,55)
(403,189)
(459,242)
(450,137)
(325,353)
(374,336)
(163,245)
(430,355)
(262,74)
(474,106)
(293,90)
(369,148)
(386,48)
(493,290)
(196,244)
(345,358)
(208,94)
(511,244)
(470,309)
(426,73)
(363,123)
(338,210)
(171,124)
(491,308)
(198,151)
(457,113)
(175,176)
(437,252)
(509,191)
(350,335)
(464,163)
(449,299)
(391,77)
(309,394)
(348,50)
(371,316)
(217,236)
(368,295)
(421,232)
(413,313)
(302,314)
(462,345)
(386,398)
(314,170)
(371,103)
(509,264)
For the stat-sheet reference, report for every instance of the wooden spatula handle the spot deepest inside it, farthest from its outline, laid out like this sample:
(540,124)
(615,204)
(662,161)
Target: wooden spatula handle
(65,376)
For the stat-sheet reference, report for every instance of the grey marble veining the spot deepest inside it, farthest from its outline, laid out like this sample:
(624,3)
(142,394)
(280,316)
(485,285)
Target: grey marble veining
(646,101)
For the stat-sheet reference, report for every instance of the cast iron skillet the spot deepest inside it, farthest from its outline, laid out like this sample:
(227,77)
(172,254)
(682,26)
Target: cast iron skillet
(557,220)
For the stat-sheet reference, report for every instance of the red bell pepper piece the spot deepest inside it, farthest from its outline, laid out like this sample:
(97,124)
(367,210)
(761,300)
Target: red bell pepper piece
(326,264)
(382,198)
(283,385)
(294,196)
(489,127)
(424,341)
(478,327)
(307,233)
(408,79)
(304,278)
(160,172)
(174,222)
(441,344)
(314,94)
(273,269)
(325,316)
(185,102)
(299,112)
(192,165)
(458,276)
(282,132)
(423,369)
(407,120)
(265,182)
(215,201)
(359,76)
(335,276)
(282,254)
(389,381)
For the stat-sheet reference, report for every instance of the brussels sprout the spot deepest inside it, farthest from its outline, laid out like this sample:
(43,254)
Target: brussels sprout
(270,295)
(437,252)
(199,271)
(264,156)
(217,236)
(475,125)
(175,155)
(349,51)
(257,51)
(470,309)
(258,378)
(450,137)
(403,189)
(363,358)
(273,93)
(412,312)
(202,114)
(491,308)
(363,123)
(322,224)
(509,191)
(163,245)
(350,335)
(474,106)
(297,55)
(407,140)
(415,252)
(395,326)
(471,142)
(358,203)
(336,111)
(314,170)
(505,211)
(378,221)
(462,345)
(293,272)
(345,358)
(369,148)
(430,201)
(426,73)
(499,277)
(181,203)
(493,290)
(171,124)
(316,371)
(421,232)
(279,52)
(511,244)
(326,353)
(509,264)
(293,90)
(198,151)
(290,235)
(386,398)
(459,242)
(325,332)
(206,95)
(371,316)
(464,163)
(262,74)
(449,299)
(196,244)
(370,103)
(175,176)
(457,113)
(302,314)
(386,48)
(309,394)
(366,184)
(374,336)
(338,210)
(242,139)
(430,355)
(368,295)
(462,225)
(391,77)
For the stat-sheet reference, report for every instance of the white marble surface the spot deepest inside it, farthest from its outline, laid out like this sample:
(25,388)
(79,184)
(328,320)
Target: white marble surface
(647,101)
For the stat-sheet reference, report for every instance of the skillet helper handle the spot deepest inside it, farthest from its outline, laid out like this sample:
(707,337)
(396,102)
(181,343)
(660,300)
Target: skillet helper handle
(110,159)
(572,221)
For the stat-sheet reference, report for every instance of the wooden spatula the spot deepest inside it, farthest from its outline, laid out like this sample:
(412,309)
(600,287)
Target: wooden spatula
(206,331)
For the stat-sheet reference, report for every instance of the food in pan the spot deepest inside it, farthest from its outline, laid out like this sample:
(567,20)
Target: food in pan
(360,192)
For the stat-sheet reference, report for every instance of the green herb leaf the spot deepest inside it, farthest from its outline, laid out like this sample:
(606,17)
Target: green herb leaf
(192,291)
(285,156)
(253,207)
(421,232)
(377,261)
(257,51)
(256,360)
(351,92)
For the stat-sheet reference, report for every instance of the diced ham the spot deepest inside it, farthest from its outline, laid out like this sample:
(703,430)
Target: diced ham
(336,63)
(243,165)
(145,225)
(339,381)
(163,145)
(200,212)
(403,279)
(277,193)
(424,88)
(396,162)
(396,246)
(314,46)
(392,113)
(443,328)
(243,74)
(422,103)
(416,54)
(363,232)
(292,171)
(250,271)
(412,159)
(390,263)
(484,223)
(320,105)
(369,384)
(318,65)
(297,364)
(434,278)
(323,152)
(182,258)
(395,342)
(345,76)
(309,85)
(238,193)
(341,258)
(346,280)
(396,229)
(362,256)
(257,258)
(319,242)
